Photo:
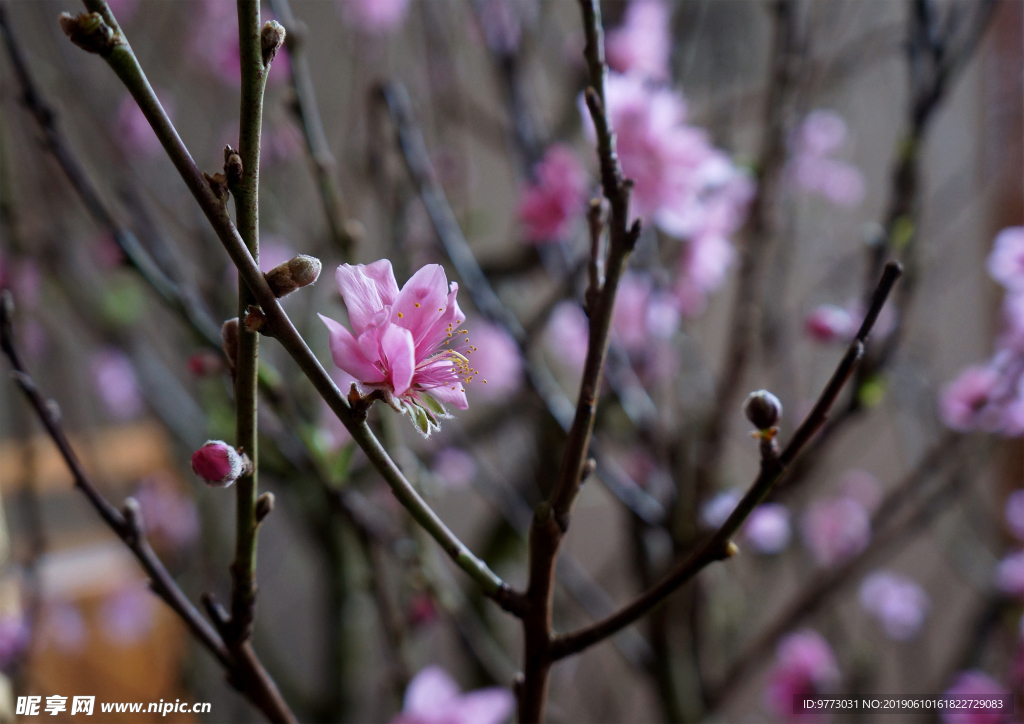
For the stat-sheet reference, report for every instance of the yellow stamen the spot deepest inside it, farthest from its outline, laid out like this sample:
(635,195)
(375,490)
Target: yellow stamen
(400,315)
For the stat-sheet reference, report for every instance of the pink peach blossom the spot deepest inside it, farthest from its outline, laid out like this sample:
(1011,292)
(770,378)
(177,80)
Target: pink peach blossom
(374,17)
(1009,575)
(642,44)
(898,603)
(433,697)
(965,402)
(767,530)
(805,668)
(166,511)
(498,362)
(133,132)
(215,45)
(128,615)
(405,343)
(567,334)
(62,627)
(15,636)
(830,323)
(554,201)
(979,686)
(717,510)
(835,530)
(454,468)
(629,317)
(863,487)
(1014,511)
(1006,261)
(820,134)
(116,383)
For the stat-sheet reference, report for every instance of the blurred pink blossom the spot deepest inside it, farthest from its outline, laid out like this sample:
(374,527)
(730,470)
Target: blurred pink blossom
(554,201)
(629,317)
(862,486)
(62,627)
(663,315)
(374,17)
(976,685)
(421,610)
(127,615)
(964,402)
(717,510)
(1006,261)
(132,130)
(124,10)
(495,356)
(1015,513)
(166,511)
(836,529)
(767,530)
(215,45)
(502,22)
(1009,576)
(805,668)
(454,468)
(821,133)
(642,44)
(14,638)
(115,382)
(567,334)
(433,697)
(898,603)
(830,323)
(678,175)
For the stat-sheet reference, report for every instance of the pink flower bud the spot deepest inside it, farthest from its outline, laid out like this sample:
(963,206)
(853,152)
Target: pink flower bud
(829,323)
(218,464)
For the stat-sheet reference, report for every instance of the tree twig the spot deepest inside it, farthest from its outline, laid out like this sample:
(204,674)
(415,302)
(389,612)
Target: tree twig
(344,233)
(773,468)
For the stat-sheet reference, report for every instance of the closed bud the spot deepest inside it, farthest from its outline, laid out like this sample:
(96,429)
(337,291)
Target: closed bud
(264,506)
(293,274)
(232,166)
(763,409)
(255,320)
(89,32)
(271,39)
(218,464)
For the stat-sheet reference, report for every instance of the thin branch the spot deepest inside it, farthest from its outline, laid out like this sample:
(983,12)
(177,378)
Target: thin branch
(758,233)
(124,63)
(344,233)
(889,537)
(773,468)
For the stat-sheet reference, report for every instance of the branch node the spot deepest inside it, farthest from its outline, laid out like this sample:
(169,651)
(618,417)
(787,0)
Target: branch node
(218,183)
(90,33)
(255,320)
(134,525)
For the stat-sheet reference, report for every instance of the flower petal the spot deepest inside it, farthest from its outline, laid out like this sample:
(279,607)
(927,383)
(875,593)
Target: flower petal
(453,394)
(399,353)
(361,294)
(438,331)
(384,277)
(432,690)
(493,705)
(423,298)
(347,355)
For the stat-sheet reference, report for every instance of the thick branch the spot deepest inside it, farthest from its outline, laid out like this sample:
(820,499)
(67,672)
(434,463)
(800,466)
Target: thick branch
(773,468)
(246,195)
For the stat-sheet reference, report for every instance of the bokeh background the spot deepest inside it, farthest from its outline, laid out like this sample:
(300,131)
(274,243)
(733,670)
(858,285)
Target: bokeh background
(832,594)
